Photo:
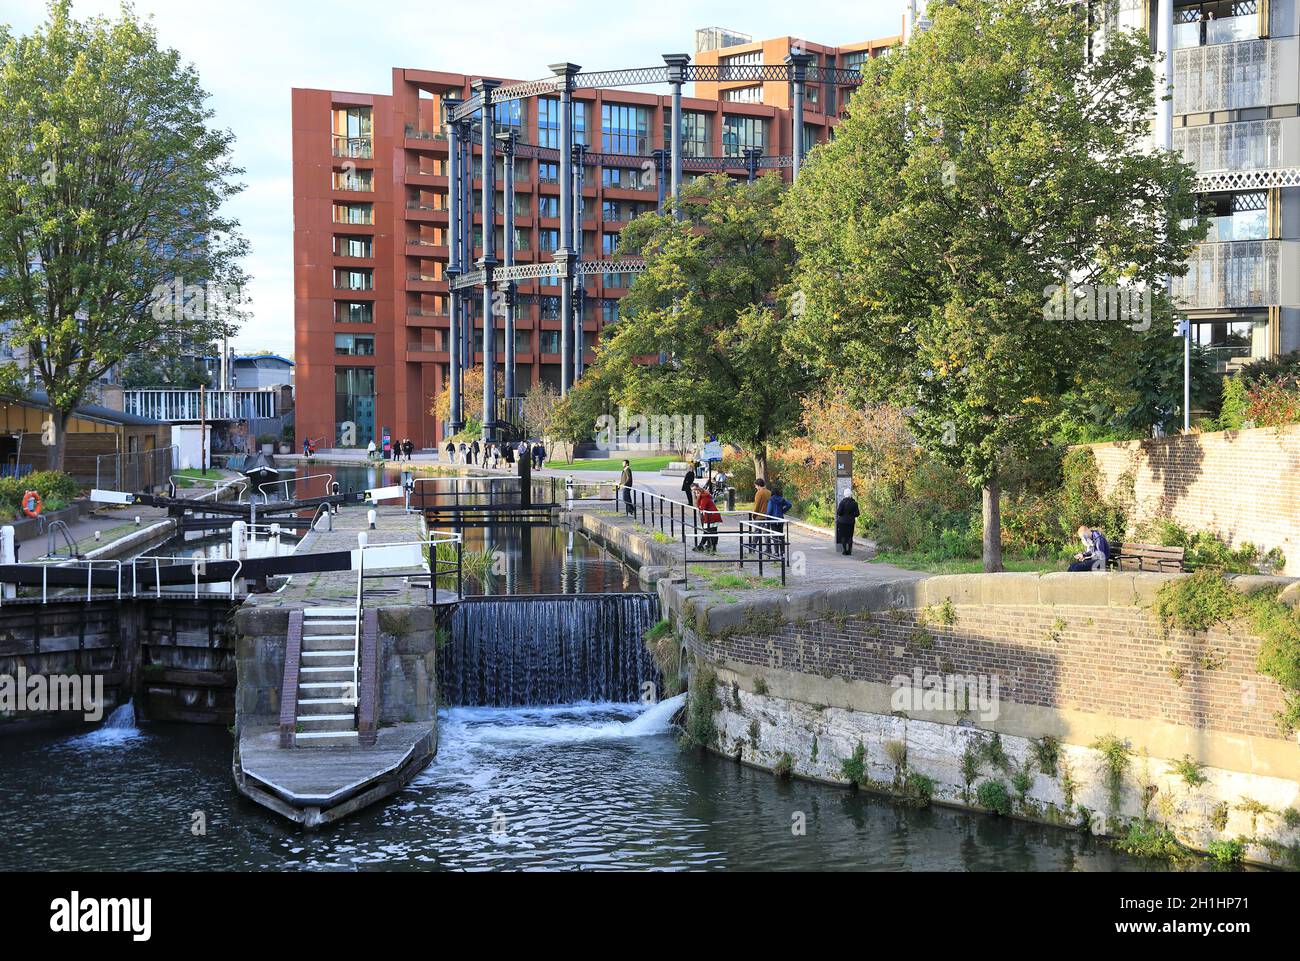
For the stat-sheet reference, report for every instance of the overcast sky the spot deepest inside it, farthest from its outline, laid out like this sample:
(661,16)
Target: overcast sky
(250,53)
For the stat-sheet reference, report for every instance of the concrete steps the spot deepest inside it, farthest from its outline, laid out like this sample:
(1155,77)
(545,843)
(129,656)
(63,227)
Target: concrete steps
(326,679)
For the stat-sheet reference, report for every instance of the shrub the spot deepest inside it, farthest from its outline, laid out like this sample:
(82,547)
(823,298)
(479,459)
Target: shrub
(854,767)
(1146,839)
(993,796)
(1047,749)
(702,703)
(1227,852)
(56,488)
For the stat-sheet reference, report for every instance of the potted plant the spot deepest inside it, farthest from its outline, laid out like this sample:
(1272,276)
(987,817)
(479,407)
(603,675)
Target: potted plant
(286,440)
(267,443)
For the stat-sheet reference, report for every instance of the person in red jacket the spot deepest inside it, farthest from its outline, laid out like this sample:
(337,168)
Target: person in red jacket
(708,517)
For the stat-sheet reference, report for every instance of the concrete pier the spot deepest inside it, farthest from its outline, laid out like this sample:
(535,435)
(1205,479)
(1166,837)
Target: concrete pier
(332,713)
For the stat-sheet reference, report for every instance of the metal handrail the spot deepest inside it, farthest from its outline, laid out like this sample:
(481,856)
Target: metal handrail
(293,480)
(192,561)
(90,576)
(757,528)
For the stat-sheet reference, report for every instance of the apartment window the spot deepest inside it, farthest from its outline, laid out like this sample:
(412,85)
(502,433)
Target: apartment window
(624,178)
(354,279)
(855,60)
(739,132)
(548,122)
(608,244)
(548,206)
(624,129)
(354,345)
(609,311)
(353,134)
(354,312)
(751,94)
(345,246)
(1219,21)
(695,133)
(1228,341)
(361,181)
(752,59)
(548,173)
(548,240)
(1242,216)
(354,213)
(511,115)
(354,406)
(549,341)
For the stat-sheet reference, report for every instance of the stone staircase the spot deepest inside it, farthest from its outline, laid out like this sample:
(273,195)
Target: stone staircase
(327,693)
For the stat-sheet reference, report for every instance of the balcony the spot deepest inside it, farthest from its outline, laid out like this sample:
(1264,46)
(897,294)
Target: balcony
(1235,76)
(178,406)
(1237,274)
(362,148)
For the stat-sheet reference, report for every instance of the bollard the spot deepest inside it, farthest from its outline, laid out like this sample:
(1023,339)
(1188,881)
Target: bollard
(370,516)
(238,533)
(97,537)
(568,490)
(137,520)
(363,539)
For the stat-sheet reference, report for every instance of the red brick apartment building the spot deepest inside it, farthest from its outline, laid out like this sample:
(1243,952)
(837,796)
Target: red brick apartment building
(370,221)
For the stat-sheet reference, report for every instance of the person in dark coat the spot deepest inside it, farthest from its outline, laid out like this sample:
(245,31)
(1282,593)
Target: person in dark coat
(625,485)
(846,519)
(474,448)
(688,484)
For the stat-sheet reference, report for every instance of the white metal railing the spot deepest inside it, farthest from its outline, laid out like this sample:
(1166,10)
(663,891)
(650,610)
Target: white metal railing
(261,488)
(90,577)
(197,565)
(192,405)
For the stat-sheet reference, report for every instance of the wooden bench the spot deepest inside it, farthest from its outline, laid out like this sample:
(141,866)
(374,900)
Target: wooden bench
(1147,557)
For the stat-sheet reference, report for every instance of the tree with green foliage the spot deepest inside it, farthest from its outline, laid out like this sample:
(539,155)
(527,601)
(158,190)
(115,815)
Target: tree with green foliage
(712,301)
(991,179)
(111,189)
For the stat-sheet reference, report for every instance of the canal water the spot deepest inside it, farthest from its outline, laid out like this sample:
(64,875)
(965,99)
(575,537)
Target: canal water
(581,786)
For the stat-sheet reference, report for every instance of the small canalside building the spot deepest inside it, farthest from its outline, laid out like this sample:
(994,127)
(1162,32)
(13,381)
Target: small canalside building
(105,447)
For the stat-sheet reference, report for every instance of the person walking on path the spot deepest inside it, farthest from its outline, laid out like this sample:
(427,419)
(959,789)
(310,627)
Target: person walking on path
(778,507)
(688,484)
(451,452)
(474,449)
(846,519)
(625,485)
(539,455)
(508,452)
(370,450)
(709,518)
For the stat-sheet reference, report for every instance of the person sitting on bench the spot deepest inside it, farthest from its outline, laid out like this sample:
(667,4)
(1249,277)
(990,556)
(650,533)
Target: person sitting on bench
(1095,551)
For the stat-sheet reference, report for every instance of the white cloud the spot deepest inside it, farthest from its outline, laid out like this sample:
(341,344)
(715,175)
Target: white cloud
(251,54)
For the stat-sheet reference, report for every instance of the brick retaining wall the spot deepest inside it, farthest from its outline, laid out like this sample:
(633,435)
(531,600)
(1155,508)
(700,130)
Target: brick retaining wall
(1243,485)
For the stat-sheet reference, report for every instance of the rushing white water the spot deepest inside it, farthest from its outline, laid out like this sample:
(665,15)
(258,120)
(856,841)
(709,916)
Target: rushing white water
(118,728)
(568,722)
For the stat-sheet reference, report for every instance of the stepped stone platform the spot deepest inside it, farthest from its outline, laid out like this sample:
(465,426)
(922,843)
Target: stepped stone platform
(310,763)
